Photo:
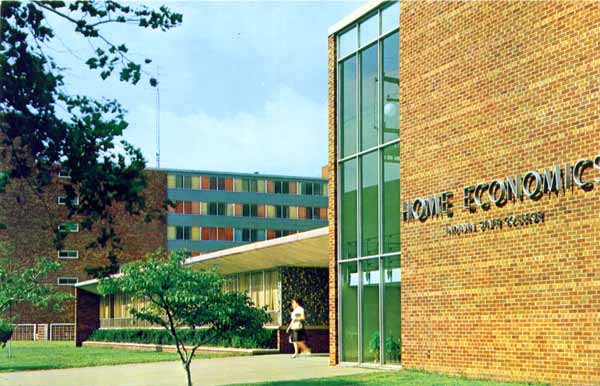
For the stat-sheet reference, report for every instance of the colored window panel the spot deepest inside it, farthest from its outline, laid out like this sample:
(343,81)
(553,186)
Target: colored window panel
(187,207)
(260,185)
(204,208)
(348,207)
(237,183)
(317,189)
(301,212)
(212,235)
(196,182)
(271,213)
(253,186)
(196,207)
(179,207)
(187,182)
(195,233)
(171,234)
(270,234)
(308,213)
(239,210)
(323,211)
(349,312)
(205,233)
(292,187)
(228,234)
(370,211)
(391,198)
(369,89)
(205,183)
(282,211)
(270,187)
(212,183)
(370,309)
(228,182)
(348,108)
(260,211)
(212,208)
(238,235)
(171,181)
(230,210)
(391,83)
(293,212)
(260,235)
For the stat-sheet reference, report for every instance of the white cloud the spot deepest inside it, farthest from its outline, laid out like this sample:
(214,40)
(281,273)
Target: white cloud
(287,136)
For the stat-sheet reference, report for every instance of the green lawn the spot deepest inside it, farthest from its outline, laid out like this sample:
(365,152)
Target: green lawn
(393,378)
(60,355)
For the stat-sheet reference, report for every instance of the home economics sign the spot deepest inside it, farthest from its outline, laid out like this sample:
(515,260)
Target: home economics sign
(532,185)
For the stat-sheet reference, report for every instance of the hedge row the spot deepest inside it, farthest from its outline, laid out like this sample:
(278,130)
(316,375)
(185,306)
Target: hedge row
(257,339)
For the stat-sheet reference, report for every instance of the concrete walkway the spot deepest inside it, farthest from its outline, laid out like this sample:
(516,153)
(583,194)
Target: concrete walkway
(205,372)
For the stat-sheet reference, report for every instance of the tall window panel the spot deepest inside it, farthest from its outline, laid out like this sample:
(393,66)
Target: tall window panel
(370,310)
(349,312)
(369,88)
(369,205)
(391,83)
(391,315)
(391,198)
(348,108)
(348,183)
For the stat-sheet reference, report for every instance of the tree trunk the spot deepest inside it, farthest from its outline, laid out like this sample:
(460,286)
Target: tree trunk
(188,372)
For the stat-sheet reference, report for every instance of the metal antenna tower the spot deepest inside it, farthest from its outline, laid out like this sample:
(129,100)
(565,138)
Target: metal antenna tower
(157,118)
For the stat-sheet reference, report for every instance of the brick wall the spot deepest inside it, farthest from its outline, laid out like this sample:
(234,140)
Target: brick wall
(332,194)
(87,315)
(488,90)
(30,223)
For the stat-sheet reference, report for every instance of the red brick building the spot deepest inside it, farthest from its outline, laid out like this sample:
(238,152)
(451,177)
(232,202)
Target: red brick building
(31,220)
(482,119)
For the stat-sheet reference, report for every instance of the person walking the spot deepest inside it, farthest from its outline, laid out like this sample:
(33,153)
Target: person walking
(298,335)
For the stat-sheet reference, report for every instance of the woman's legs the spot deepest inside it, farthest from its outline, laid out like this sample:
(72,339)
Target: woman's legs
(295,349)
(303,347)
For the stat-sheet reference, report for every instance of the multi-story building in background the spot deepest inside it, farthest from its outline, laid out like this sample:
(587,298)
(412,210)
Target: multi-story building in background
(211,211)
(214,211)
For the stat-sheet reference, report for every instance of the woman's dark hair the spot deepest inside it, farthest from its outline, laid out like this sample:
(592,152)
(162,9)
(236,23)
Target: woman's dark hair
(299,301)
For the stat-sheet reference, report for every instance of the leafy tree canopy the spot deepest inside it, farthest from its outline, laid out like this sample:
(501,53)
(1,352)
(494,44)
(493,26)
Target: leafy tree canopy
(176,296)
(43,125)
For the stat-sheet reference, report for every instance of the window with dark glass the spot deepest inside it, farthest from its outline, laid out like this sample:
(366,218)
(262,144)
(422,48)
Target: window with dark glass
(282,211)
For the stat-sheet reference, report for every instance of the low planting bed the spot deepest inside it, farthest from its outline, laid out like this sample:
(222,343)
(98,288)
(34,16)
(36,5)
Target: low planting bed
(252,343)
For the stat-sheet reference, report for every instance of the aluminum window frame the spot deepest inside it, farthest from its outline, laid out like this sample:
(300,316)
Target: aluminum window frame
(58,253)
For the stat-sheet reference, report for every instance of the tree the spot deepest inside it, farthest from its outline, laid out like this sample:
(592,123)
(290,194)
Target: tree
(42,125)
(176,296)
(25,285)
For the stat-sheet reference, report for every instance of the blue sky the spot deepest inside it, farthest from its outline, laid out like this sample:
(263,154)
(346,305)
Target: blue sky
(243,84)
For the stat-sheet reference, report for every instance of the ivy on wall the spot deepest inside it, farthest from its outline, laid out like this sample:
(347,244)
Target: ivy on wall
(312,286)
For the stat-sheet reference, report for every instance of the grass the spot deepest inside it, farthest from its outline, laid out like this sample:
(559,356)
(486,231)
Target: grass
(61,355)
(393,378)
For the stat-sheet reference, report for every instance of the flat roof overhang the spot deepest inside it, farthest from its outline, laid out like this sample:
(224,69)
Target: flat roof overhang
(304,249)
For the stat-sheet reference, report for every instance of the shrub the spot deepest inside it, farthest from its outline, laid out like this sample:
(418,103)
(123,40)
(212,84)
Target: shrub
(6,331)
(262,338)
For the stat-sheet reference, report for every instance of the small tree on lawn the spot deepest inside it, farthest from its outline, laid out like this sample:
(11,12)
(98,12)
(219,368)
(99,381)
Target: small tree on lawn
(24,285)
(176,296)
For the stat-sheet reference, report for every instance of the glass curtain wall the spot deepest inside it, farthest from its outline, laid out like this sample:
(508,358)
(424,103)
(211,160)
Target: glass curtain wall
(369,189)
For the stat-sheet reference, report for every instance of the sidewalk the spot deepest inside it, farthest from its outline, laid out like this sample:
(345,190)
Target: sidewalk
(206,372)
